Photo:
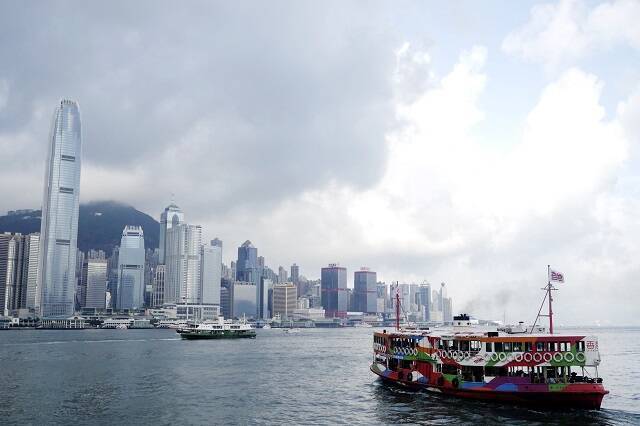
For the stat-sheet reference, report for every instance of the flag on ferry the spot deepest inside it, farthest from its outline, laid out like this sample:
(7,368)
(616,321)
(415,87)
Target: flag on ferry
(557,276)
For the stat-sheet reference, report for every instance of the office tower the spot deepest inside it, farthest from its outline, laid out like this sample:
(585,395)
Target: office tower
(424,301)
(261,262)
(447,310)
(244,299)
(234,270)
(59,223)
(282,275)
(158,286)
(365,291)
(171,216)
(226,298)
(284,299)
(295,274)
(10,248)
(80,288)
(262,298)
(248,269)
(94,275)
(131,269)
(333,282)
(383,297)
(31,269)
(217,242)
(211,272)
(151,261)
(413,298)
(182,261)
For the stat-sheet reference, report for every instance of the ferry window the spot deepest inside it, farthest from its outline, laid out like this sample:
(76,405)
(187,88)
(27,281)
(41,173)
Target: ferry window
(539,346)
(464,345)
(507,346)
(527,346)
(517,346)
(580,346)
(475,345)
(440,345)
(567,346)
(488,347)
(498,346)
(562,348)
(553,346)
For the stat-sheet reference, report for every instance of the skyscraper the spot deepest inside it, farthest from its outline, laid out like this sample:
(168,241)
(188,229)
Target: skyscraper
(95,279)
(158,286)
(182,259)
(334,291)
(171,216)
(295,274)
(131,269)
(59,224)
(282,275)
(365,291)
(10,247)
(248,269)
(284,299)
(31,269)
(211,272)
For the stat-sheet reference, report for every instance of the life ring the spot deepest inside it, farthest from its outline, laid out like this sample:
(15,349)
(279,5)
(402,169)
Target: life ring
(537,357)
(467,355)
(459,355)
(569,357)
(557,357)
(495,357)
(519,357)
(580,357)
(502,356)
(440,353)
(415,352)
(455,382)
(527,357)
(547,358)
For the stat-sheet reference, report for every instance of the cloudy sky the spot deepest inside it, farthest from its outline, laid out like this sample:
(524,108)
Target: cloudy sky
(465,142)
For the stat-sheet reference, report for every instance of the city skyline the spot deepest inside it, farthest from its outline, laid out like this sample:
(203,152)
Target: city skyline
(454,147)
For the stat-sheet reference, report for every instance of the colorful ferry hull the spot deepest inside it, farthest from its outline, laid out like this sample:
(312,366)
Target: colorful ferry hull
(544,370)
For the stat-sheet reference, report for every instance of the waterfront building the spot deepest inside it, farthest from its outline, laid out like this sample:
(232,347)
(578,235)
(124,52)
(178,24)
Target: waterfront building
(284,299)
(282,275)
(306,314)
(334,296)
(262,298)
(182,261)
(365,291)
(244,299)
(249,270)
(383,296)
(447,310)
(131,262)
(94,276)
(10,247)
(171,216)
(112,277)
(226,298)
(295,274)
(157,299)
(60,204)
(424,301)
(261,264)
(211,272)
(31,270)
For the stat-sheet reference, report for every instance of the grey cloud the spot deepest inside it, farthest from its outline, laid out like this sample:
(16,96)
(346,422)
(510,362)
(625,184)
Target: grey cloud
(255,101)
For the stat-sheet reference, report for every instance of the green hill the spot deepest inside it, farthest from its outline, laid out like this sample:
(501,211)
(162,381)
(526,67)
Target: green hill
(100,224)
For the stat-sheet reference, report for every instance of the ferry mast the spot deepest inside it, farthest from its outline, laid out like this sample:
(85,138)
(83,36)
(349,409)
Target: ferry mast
(548,294)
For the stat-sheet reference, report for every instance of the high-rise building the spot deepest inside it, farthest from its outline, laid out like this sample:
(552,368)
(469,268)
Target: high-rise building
(295,274)
(31,269)
(10,269)
(157,299)
(248,269)
(94,275)
(182,260)
(131,262)
(211,272)
(262,298)
(333,282)
(365,291)
(59,223)
(382,297)
(226,298)
(284,299)
(112,277)
(244,299)
(282,275)
(171,216)
(424,301)
(261,264)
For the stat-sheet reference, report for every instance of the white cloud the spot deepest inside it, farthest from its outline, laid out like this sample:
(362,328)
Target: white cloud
(451,208)
(569,30)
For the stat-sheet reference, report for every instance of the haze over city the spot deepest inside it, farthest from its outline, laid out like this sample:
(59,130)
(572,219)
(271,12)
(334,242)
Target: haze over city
(425,141)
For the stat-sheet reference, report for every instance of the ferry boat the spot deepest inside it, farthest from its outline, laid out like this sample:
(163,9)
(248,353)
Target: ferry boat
(221,329)
(518,365)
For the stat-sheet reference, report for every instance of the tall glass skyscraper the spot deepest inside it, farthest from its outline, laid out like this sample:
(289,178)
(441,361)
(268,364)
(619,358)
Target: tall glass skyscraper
(333,283)
(59,226)
(131,269)
(171,217)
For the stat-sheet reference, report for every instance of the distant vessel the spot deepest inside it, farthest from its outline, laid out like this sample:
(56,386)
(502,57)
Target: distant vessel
(292,330)
(513,364)
(221,329)
(266,326)
(362,325)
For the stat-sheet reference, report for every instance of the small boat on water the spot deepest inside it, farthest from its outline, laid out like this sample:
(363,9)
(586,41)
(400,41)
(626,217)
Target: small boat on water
(522,365)
(221,329)
(291,330)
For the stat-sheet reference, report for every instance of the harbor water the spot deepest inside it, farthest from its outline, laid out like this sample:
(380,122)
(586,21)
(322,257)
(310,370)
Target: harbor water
(317,376)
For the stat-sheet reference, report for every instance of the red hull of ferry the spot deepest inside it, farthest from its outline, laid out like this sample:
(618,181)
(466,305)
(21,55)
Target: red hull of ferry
(590,397)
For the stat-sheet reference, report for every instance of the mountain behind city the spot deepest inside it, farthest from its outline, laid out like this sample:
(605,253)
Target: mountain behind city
(100,224)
